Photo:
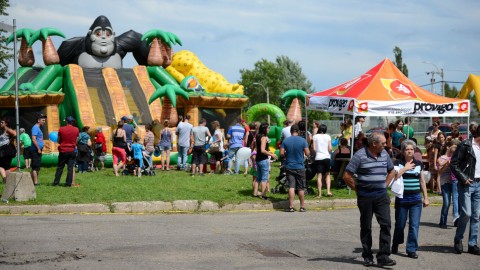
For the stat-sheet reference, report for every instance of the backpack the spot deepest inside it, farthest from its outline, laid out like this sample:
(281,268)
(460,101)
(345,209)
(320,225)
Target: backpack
(98,147)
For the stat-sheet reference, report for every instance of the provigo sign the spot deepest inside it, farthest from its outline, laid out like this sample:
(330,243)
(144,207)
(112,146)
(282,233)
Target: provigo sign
(339,104)
(462,107)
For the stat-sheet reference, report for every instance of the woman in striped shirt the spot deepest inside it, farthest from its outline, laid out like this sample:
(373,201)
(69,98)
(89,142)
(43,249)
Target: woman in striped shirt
(411,203)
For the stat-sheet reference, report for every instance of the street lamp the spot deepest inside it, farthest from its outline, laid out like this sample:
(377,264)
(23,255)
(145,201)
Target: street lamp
(268,97)
(439,72)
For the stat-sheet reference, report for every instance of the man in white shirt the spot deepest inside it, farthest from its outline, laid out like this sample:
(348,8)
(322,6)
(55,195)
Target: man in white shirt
(358,125)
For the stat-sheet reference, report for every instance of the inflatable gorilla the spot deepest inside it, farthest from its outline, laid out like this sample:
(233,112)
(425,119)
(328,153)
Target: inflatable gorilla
(99,48)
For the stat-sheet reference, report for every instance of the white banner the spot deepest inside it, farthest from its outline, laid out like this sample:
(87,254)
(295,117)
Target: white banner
(388,108)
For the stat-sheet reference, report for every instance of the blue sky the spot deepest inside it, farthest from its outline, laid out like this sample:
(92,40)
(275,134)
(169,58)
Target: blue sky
(333,41)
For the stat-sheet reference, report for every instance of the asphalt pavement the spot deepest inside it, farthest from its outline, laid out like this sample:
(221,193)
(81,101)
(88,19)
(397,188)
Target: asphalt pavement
(234,239)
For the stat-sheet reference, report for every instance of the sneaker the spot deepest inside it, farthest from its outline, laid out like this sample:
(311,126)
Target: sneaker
(302,209)
(443,226)
(474,250)
(386,261)
(368,262)
(291,210)
(458,246)
(412,255)
(455,222)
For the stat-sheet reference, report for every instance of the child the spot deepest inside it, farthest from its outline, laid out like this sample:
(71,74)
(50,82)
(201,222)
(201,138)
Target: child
(137,150)
(130,166)
(446,181)
(225,160)
(25,142)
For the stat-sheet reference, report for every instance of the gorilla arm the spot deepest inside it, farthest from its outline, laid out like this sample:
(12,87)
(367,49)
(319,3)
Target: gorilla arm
(131,41)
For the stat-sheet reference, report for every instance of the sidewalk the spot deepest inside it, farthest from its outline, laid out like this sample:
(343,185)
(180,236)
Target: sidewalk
(183,206)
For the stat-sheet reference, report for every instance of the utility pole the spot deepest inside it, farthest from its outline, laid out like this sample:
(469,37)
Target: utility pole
(438,72)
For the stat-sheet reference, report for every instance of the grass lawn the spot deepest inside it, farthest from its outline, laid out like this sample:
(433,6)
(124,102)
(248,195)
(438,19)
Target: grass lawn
(104,187)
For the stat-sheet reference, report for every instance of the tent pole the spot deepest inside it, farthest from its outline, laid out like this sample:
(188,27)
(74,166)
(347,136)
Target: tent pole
(353,134)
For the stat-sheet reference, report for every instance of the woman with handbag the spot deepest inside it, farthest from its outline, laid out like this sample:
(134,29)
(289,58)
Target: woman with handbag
(216,147)
(410,205)
(84,144)
(7,148)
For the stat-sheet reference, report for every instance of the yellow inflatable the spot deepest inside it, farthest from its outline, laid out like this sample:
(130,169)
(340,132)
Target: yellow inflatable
(186,63)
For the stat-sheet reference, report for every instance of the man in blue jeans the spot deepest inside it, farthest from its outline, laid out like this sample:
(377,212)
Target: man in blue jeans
(236,135)
(463,166)
(374,170)
(183,141)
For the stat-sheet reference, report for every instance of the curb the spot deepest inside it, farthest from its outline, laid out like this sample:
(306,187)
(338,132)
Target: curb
(181,206)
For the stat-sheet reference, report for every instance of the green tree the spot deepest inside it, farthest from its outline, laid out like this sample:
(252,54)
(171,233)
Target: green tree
(278,77)
(397,52)
(451,92)
(5,53)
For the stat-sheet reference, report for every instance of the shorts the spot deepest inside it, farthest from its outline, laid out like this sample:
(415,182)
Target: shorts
(199,156)
(322,166)
(100,158)
(218,156)
(296,179)
(6,163)
(36,160)
(165,148)
(27,152)
(119,154)
(263,170)
(138,162)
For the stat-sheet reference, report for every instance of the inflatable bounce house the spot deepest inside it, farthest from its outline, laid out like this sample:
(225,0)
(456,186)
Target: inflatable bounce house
(85,78)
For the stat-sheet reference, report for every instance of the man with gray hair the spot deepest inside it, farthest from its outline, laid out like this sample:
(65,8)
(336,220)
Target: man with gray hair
(374,170)
(286,130)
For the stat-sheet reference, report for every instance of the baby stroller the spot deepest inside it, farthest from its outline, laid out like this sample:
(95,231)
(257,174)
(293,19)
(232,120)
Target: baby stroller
(147,168)
(129,166)
(282,186)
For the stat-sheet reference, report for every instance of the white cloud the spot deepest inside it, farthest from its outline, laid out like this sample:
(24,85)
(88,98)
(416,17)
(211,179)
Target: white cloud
(332,40)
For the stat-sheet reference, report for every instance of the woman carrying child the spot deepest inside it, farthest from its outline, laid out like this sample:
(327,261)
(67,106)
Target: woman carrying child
(217,138)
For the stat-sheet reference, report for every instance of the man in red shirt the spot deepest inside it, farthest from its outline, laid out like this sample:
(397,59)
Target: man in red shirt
(67,139)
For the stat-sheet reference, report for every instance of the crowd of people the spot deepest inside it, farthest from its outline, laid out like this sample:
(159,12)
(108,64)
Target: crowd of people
(393,158)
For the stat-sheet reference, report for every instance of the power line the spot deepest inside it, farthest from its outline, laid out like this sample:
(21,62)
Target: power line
(441,82)
(459,70)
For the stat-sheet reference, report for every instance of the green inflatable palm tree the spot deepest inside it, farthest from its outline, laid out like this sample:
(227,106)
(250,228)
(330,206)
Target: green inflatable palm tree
(168,96)
(292,98)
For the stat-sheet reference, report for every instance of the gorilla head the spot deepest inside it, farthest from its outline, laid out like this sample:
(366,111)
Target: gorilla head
(100,40)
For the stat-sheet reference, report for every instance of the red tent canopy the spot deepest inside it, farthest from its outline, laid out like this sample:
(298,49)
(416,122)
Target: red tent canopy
(385,91)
